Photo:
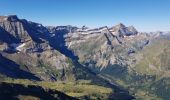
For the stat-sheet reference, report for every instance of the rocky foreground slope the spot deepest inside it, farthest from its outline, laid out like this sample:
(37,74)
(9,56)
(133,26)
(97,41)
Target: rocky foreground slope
(118,57)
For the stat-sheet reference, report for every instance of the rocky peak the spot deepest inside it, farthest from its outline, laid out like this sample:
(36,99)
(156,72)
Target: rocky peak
(120,26)
(9,18)
(121,30)
(21,29)
(12,18)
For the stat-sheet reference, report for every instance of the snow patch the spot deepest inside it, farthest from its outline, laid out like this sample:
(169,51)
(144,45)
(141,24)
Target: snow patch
(18,46)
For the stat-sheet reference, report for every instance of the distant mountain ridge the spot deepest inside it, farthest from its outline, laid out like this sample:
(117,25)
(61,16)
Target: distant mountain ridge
(117,57)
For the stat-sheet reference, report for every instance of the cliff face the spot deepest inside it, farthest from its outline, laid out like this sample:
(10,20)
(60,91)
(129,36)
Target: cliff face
(28,45)
(21,30)
(15,27)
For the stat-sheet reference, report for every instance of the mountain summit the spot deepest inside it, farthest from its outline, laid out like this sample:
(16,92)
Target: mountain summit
(121,30)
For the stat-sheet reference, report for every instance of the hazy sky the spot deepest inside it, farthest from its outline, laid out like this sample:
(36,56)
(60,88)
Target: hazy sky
(145,15)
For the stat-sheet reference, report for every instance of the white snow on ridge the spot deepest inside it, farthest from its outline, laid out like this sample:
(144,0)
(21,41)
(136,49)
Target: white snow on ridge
(18,46)
(91,31)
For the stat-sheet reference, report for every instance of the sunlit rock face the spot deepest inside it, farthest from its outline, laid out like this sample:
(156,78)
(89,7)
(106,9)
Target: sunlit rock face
(28,45)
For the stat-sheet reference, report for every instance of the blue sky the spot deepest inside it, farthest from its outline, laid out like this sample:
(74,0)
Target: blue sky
(145,15)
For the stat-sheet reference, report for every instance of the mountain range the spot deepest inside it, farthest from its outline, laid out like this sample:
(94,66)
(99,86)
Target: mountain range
(133,64)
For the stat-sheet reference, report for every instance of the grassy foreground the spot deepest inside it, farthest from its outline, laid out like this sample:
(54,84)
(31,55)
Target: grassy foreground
(79,89)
